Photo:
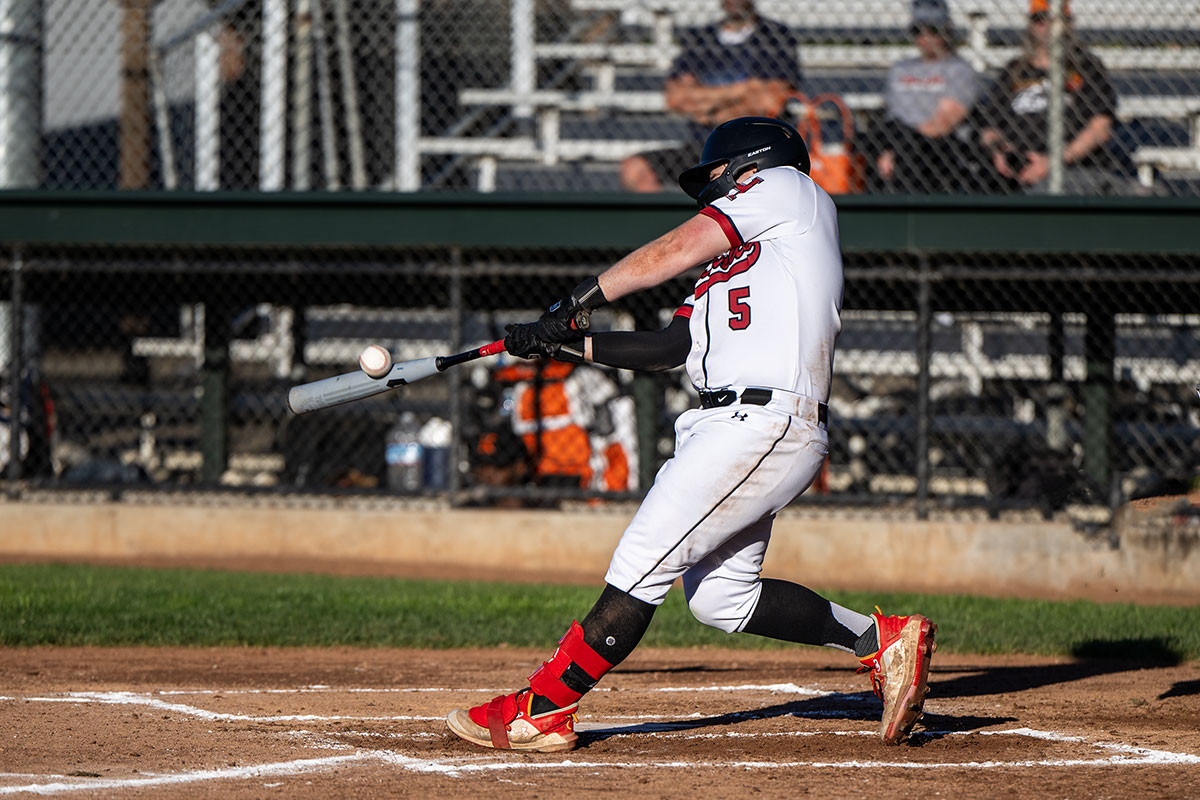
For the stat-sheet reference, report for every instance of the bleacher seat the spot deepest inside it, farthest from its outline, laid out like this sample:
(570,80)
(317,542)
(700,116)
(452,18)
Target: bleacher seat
(846,48)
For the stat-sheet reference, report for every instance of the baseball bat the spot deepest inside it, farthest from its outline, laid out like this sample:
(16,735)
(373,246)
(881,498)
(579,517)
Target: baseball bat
(358,384)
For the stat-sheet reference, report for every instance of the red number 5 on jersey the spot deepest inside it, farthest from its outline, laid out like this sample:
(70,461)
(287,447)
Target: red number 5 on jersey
(739,308)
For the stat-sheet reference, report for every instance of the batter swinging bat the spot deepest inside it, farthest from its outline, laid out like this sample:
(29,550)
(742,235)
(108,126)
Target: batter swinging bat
(358,385)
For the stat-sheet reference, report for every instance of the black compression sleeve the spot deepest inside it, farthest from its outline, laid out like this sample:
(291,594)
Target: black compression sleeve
(646,350)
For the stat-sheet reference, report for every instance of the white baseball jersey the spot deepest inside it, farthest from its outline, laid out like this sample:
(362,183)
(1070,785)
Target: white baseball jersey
(764,314)
(767,311)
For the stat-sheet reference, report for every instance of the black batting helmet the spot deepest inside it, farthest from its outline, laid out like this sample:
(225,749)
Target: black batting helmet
(744,142)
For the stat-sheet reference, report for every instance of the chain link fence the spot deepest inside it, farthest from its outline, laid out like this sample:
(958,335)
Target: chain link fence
(969,374)
(988,379)
(977,96)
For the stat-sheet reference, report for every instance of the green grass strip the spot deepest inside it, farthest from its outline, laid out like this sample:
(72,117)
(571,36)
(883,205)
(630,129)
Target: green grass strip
(61,604)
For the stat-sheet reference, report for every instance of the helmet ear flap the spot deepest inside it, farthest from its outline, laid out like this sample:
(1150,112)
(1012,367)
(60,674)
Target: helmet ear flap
(745,142)
(721,185)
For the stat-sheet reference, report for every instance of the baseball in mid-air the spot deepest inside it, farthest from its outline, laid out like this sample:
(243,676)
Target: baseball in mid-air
(376,361)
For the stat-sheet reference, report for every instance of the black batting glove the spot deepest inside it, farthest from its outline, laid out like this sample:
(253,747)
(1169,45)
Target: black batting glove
(571,351)
(522,341)
(569,317)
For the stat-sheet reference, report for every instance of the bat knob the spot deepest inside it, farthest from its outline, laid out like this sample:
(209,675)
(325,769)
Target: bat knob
(582,321)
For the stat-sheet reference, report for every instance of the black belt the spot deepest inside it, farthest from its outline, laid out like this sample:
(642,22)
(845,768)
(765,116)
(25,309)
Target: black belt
(754,397)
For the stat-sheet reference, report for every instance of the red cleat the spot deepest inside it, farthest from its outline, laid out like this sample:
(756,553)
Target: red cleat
(506,724)
(900,670)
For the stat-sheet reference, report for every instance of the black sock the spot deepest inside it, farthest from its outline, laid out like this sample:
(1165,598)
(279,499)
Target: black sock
(868,643)
(795,613)
(612,628)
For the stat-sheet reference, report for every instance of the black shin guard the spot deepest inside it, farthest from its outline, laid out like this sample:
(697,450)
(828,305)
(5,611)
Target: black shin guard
(794,613)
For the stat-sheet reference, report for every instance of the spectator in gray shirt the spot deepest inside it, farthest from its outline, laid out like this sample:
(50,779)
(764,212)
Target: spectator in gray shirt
(922,142)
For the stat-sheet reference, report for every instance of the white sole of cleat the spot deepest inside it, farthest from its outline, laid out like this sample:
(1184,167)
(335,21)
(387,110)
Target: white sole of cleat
(918,638)
(462,726)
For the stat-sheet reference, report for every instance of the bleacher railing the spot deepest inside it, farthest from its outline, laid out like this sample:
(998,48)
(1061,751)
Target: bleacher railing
(528,94)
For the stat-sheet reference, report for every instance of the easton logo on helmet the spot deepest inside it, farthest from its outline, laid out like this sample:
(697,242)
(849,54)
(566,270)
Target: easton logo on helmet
(756,152)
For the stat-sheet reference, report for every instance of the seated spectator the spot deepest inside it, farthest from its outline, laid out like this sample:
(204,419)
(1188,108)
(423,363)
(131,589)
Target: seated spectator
(922,142)
(499,459)
(744,65)
(564,416)
(1015,118)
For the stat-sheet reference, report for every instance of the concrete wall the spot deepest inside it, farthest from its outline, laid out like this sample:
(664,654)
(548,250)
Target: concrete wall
(1031,559)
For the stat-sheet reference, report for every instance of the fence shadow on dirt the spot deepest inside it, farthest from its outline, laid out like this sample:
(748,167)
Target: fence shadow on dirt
(851,706)
(1092,658)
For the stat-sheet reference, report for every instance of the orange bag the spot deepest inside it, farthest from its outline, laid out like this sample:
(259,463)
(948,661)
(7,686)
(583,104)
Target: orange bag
(835,167)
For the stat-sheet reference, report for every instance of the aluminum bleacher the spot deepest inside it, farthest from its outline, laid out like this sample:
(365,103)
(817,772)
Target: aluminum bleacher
(1152,50)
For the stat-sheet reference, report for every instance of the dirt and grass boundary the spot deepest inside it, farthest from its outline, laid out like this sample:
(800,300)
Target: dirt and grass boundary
(1150,554)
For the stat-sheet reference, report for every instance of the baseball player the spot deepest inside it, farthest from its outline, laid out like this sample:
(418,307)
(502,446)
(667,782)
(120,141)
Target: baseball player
(757,336)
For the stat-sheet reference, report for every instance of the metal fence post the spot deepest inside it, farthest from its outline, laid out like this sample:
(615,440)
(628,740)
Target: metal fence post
(16,312)
(1054,121)
(20,93)
(1099,348)
(273,112)
(214,403)
(458,313)
(408,96)
(924,359)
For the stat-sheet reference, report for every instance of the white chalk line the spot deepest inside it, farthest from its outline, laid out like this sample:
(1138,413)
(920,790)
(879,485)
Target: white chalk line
(131,698)
(1127,755)
(774,688)
(135,698)
(326,690)
(1122,755)
(257,771)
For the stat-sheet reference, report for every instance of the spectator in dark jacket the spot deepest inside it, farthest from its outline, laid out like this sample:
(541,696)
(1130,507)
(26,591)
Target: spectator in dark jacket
(1015,124)
(742,66)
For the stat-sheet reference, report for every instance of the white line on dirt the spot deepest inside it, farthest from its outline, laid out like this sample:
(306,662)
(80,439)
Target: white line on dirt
(130,698)
(258,771)
(324,690)
(1121,755)
(774,688)
(456,768)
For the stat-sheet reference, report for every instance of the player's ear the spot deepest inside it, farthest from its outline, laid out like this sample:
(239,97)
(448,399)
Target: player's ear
(746,173)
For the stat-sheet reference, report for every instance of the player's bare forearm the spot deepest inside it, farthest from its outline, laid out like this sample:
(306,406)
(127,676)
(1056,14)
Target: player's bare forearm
(696,241)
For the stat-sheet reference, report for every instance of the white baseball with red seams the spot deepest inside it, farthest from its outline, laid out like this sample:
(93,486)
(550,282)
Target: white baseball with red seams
(375,360)
(764,314)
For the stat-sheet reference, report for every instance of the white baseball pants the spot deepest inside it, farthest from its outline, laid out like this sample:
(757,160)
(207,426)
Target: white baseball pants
(708,515)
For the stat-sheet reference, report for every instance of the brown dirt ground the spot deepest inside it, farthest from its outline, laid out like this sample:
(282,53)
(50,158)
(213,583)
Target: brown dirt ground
(144,722)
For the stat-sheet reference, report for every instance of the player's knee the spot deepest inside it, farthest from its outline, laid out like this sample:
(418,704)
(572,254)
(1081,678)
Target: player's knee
(714,607)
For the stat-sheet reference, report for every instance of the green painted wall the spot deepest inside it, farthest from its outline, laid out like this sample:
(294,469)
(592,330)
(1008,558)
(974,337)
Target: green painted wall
(946,224)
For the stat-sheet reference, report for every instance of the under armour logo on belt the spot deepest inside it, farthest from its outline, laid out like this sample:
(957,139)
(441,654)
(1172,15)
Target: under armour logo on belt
(740,416)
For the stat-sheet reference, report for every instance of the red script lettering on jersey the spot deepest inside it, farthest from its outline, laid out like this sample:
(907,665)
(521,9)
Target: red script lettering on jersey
(738,188)
(725,266)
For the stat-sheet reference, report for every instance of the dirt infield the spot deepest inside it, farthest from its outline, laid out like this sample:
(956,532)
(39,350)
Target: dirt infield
(252,723)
